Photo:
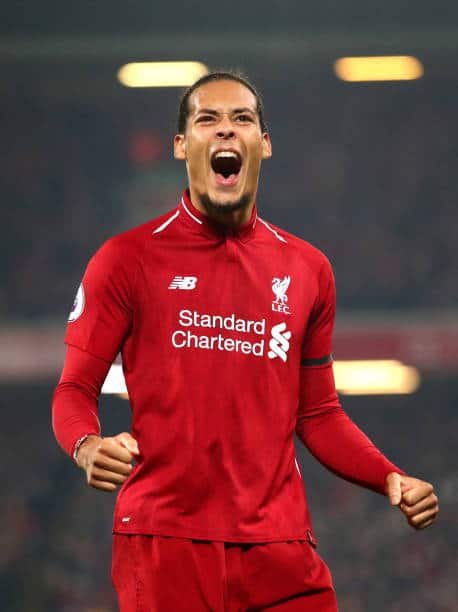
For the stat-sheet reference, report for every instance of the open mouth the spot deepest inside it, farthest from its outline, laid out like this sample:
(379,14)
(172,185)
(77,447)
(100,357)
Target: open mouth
(226,165)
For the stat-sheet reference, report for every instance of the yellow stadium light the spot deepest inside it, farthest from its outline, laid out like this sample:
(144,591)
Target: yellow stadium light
(375,377)
(364,377)
(379,68)
(161,74)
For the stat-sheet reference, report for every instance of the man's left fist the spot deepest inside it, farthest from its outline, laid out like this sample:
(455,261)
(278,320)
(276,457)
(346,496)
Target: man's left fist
(415,498)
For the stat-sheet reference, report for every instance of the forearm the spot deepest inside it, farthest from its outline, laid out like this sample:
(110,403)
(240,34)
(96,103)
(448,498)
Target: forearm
(338,443)
(74,416)
(333,438)
(75,400)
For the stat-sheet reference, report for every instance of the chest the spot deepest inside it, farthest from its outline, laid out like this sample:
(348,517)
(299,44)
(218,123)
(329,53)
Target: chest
(240,290)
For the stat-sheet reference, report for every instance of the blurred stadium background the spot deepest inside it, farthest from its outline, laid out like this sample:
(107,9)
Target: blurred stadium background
(366,171)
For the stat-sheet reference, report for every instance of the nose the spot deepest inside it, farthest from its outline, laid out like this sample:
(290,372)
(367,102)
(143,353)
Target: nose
(225,128)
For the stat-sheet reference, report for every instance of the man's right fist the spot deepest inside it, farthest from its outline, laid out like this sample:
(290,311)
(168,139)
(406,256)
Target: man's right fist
(107,461)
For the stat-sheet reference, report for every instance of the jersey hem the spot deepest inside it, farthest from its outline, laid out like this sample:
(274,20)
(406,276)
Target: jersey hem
(195,534)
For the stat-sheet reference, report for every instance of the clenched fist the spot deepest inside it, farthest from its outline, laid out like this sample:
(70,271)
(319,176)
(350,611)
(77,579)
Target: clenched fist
(107,461)
(415,498)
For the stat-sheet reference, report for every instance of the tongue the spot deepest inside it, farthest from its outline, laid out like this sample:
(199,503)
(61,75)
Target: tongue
(226,180)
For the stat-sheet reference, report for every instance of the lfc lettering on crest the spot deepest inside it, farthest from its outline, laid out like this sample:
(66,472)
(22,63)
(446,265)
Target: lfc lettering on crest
(280,308)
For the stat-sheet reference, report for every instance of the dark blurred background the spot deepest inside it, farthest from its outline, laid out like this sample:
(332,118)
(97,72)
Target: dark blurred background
(365,171)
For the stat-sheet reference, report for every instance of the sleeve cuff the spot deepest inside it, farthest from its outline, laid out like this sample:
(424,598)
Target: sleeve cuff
(78,444)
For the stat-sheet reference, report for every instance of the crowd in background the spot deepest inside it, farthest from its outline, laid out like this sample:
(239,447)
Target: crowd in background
(55,542)
(365,173)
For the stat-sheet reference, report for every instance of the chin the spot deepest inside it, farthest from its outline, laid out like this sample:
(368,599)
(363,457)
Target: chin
(224,203)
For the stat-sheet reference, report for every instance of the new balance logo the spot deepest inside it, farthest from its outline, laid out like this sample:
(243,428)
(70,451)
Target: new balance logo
(279,343)
(183,282)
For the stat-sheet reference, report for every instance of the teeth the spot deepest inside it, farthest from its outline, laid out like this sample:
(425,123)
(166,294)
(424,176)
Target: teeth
(226,154)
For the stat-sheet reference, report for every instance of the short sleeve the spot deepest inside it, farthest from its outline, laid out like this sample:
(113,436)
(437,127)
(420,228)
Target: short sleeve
(102,311)
(317,349)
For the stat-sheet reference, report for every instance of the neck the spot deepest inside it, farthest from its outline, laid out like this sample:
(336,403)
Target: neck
(224,214)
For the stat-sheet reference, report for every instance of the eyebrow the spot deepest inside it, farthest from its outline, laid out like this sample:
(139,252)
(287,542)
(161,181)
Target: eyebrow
(244,110)
(211,111)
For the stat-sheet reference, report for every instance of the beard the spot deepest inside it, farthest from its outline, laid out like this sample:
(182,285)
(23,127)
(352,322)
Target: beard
(219,207)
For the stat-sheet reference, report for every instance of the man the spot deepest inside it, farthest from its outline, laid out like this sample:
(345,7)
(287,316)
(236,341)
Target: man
(224,323)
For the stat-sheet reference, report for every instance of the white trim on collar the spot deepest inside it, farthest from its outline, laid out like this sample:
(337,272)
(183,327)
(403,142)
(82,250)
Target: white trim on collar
(190,213)
(275,233)
(166,223)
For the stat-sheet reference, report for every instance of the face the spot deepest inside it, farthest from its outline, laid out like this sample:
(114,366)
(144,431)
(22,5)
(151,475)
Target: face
(223,146)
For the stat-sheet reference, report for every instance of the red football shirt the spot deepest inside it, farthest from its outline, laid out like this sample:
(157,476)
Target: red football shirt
(216,328)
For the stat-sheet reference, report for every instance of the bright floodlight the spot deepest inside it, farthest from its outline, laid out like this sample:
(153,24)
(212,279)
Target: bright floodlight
(115,382)
(369,377)
(379,68)
(161,74)
(375,377)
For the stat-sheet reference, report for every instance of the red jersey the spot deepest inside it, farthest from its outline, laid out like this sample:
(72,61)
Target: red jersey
(215,327)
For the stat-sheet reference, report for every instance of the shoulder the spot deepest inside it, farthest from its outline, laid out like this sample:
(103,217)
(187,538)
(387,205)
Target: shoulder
(128,247)
(307,253)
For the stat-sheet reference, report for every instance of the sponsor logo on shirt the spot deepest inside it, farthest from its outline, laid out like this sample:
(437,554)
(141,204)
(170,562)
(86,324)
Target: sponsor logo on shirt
(246,330)
(183,282)
(280,287)
(78,305)
(279,343)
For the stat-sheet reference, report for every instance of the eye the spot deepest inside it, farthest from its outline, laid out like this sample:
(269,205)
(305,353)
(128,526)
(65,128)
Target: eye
(244,118)
(205,119)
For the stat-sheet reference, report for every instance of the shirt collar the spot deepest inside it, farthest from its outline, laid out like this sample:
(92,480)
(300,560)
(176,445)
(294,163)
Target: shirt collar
(194,218)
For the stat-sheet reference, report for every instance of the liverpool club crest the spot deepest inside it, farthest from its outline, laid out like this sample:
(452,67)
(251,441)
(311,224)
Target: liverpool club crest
(280,287)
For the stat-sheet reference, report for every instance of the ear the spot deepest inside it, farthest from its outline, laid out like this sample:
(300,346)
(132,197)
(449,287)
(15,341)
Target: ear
(266,146)
(179,146)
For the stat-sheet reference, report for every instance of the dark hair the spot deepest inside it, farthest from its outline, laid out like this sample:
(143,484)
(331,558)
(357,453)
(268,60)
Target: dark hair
(211,77)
